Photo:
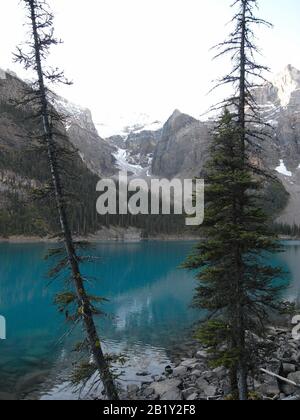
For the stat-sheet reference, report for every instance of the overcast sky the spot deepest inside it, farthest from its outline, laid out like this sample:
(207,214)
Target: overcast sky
(128,57)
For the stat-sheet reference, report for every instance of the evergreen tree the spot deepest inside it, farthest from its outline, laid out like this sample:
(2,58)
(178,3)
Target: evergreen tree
(236,284)
(52,142)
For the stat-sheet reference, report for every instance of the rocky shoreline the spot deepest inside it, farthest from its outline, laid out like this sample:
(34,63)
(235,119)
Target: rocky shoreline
(190,378)
(117,234)
(112,234)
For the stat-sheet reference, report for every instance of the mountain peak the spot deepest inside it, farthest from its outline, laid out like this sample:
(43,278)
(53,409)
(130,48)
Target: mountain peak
(2,74)
(178,120)
(176,113)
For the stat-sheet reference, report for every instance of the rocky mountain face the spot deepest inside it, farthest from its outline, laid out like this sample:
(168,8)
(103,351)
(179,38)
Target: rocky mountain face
(134,152)
(23,167)
(183,147)
(280,105)
(179,148)
(183,144)
(79,126)
(93,150)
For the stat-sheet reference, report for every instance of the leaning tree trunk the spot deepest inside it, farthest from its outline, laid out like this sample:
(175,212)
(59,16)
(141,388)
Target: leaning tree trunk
(85,307)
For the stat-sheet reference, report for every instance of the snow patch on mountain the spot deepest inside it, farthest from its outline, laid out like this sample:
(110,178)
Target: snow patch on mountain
(287,83)
(122,163)
(282,169)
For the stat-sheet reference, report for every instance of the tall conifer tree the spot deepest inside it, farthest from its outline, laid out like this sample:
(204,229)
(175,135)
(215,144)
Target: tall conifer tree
(236,283)
(41,39)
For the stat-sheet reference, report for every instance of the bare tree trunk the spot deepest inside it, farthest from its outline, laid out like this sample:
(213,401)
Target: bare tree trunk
(242,366)
(82,296)
(242,87)
(242,374)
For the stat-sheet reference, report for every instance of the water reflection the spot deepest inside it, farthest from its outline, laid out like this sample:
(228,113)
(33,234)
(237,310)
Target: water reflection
(149,301)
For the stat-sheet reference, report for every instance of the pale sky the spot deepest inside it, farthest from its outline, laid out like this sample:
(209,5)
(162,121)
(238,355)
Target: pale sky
(129,57)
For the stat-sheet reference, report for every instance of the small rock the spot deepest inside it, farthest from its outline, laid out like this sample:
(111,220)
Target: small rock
(132,389)
(172,395)
(180,371)
(206,388)
(210,391)
(189,362)
(288,368)
(148,392)
(196,373)
(168,370)
(295,358)
(290,389)
(167,389)
(295,377)
(220,372)
(270,388)
(208,375)
(201,354)
(188,392)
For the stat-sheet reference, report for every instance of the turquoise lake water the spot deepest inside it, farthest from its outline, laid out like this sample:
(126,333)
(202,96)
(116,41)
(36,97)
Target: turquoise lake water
(149,304)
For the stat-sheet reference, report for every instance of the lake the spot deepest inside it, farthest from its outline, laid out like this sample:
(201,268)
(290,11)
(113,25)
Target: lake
(148,310)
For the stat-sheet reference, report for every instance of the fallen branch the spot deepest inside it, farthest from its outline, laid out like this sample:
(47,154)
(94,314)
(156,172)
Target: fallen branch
(276,397)
(280,378)
(216,397)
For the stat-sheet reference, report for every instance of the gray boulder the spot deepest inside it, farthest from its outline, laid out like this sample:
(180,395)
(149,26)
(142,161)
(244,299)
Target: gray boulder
(269,388)
(188,363)
(188,392)
(290,389)
(197,373)
(288,368)
(132,389)
(180,371)
(205,388)
(168,389)
(201,354)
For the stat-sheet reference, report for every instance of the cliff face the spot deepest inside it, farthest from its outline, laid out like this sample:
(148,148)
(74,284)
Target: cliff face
(183,147)
(94,151)
(280,106)
(23,167)
(79,126)
(179,149)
